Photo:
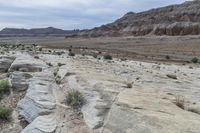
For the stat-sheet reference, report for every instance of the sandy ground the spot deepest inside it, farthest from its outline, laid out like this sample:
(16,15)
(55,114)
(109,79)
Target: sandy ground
(178,48)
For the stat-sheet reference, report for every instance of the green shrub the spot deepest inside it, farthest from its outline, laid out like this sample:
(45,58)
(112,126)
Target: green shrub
(40,49)
(5,113)
(4,86)
(36,57)
(71,54)
(167,57)
(129,85)
(107,57)
(75,98)
(95,55)
(195,60)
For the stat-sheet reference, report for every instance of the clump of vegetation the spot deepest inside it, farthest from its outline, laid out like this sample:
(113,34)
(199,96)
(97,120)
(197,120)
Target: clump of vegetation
(95,55)
(195,60)
(90,53)
(36,57)
(180,102)
(107,57)
(4,87)
(167,57)
(71,54)
(61,64)
(40,49)
(129,85)
(5,113)
(75,98)
(49,64)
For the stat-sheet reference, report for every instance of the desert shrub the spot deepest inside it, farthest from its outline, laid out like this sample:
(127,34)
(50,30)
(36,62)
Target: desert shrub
(75,98)
(40,49)
(95,55)
(195,60)
(71,54)
(129,85)
(4,86)
(5,113)
(167,57)
(107,57)
(49,64)
(180,102)
(61,64)
(36,57)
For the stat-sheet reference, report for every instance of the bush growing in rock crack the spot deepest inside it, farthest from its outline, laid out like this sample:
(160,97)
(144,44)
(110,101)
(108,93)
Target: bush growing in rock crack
(4,87)
(5,113)
(75,98)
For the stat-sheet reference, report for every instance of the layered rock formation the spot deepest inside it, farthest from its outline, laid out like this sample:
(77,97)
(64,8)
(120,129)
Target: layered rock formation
(183,19)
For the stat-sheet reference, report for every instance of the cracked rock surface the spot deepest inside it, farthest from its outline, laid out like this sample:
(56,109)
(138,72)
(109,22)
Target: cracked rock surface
(148,106)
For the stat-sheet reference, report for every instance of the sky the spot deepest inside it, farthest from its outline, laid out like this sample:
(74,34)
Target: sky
(70,14)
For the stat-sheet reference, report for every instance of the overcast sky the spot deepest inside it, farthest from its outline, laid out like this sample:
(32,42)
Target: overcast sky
(70,14)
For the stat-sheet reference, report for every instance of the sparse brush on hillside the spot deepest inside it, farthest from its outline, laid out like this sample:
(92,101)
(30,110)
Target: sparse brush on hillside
(75,98)
(5,113)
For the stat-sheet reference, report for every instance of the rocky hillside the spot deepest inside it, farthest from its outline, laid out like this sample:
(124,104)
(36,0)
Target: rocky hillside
(36,32)
(172,20)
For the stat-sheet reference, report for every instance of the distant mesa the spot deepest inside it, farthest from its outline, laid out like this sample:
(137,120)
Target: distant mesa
(50,31)
(174,20)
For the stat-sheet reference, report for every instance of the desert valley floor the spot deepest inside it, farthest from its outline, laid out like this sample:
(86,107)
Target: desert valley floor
(121,95)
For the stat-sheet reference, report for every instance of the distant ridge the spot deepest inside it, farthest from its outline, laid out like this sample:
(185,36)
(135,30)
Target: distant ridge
(183,19)
(50,31)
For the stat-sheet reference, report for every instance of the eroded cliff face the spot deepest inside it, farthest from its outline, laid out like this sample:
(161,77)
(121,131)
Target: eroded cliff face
(183,19)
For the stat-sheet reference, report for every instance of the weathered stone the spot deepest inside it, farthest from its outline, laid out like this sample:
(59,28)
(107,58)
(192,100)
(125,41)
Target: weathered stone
(5,63)
(147,112)
(27,64)
(19,81)
(39,98)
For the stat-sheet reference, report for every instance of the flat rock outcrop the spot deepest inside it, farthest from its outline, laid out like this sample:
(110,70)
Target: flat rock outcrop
(20,81)
(154,103)
(5,63)
(26,63)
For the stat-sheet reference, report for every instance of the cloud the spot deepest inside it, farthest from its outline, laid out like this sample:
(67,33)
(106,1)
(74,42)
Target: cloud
(70,14)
